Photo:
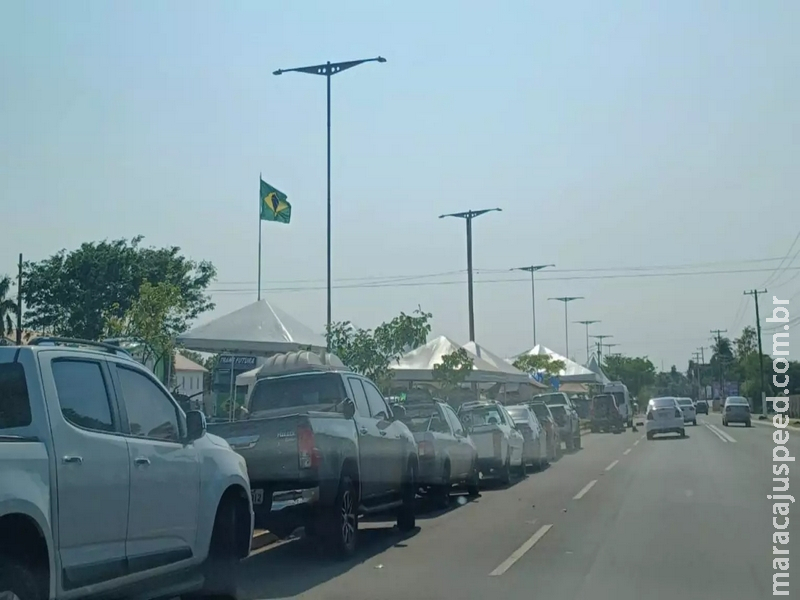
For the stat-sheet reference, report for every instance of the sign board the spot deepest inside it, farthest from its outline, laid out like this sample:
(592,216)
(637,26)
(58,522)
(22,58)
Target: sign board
(242,363)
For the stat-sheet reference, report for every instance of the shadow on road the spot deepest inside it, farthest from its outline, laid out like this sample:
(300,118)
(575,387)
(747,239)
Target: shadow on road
(427,510)
(673,438)
(294,567)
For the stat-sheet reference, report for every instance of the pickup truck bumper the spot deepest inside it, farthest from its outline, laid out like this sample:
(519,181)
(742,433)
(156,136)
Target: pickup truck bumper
(490,465)
(286,510)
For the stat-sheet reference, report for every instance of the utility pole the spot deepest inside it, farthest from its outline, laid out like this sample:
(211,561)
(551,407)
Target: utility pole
(702,364)
(600,345)
(754,294)
(587,323)
(566,300)
(468,216)
(19,302)
(696,356)
(719,333)
(532,269)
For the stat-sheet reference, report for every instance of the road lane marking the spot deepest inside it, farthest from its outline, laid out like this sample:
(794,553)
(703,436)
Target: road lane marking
(724,436)
(715,432)
(628,451)
(636,443)
(520,552)
(585,490)
(612,465)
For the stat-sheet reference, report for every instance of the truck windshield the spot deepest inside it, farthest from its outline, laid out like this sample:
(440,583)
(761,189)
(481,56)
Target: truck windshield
(312,389)
(15,408)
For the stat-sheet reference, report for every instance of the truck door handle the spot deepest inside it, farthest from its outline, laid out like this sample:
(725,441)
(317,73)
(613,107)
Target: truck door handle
(363,431)
(73,459)
(141,460)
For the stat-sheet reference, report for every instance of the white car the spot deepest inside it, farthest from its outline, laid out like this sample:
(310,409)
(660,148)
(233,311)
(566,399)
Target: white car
(107,488)
(689,411)
(500,444)
(664,416)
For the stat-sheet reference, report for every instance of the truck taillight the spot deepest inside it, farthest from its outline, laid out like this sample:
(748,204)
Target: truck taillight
(497,437)
(307,453)
(425,449)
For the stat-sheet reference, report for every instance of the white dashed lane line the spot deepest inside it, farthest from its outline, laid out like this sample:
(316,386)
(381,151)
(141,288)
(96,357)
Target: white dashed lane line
(628,451)
(612,465)
(585,490)
(520,552)
(724,436)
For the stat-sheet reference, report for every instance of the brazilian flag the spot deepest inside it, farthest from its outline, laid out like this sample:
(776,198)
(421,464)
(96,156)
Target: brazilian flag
(273,203)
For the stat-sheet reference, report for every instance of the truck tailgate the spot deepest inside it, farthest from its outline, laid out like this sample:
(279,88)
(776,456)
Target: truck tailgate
(269,446)
(484,438)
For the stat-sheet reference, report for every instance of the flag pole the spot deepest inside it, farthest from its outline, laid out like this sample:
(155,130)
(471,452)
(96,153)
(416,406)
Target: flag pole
(259,236)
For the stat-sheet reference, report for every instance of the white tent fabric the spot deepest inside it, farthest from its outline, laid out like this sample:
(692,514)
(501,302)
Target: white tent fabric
(572,372)
(500,364)
(593,366)
(418,364)
(258,328)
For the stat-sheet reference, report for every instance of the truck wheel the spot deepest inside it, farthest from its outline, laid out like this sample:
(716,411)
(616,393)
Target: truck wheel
(442,491)
(406,516)
(474,481)
(338,526)
(505,474)
(219,569)
(577,443)
(17,582)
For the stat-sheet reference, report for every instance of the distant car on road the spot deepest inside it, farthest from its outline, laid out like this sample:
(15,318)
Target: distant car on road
(701,407)
(736,410)
(606,415)
(664,416)
(447,454)
(500,445)
(688,409)
(534,436)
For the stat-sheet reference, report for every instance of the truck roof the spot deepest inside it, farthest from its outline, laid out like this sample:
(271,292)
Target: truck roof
(73,344)
(291,363)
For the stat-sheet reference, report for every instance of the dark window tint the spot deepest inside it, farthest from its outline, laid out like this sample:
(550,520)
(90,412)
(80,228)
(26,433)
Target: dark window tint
(454,421)
(663,402)
(82,394)
(377,406)
(15,407)
(151,413)
(359,397)
(540,410)
(323,391)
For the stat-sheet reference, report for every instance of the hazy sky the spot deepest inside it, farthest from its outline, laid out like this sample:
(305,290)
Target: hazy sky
(614,136)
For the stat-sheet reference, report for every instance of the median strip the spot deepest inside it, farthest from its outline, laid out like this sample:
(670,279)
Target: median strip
(520,552)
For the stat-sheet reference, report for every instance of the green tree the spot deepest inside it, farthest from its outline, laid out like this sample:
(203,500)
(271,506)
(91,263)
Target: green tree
(7,307)
(70,293)
(539,363)
(453,370)
(371,353)
(637,373)
(153,318)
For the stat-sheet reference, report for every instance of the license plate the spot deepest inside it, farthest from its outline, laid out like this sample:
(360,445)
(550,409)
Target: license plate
(258,496)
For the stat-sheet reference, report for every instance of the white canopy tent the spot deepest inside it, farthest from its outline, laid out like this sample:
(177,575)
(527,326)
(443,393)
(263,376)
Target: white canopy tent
(259,328)
(418,364)
(502,365)
(595,367)
(571,373)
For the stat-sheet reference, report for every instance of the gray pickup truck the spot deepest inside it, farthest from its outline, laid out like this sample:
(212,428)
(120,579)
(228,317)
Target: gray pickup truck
(569,423)
(322,448)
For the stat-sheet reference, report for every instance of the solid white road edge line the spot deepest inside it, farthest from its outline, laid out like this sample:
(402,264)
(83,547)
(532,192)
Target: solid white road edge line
(612,465)
(585,489)
(716,433)
(628,451)
(520,552)
(725,437)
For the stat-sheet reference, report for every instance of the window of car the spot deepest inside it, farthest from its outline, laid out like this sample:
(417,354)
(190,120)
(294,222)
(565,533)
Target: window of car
(359,396)
(151,413)
(377,405)
(685,402)
(455,422)
(15,406)
(483,415)
(540,410)
(83,394)
(737,400)
(663,402)
(304,390)
(519,414)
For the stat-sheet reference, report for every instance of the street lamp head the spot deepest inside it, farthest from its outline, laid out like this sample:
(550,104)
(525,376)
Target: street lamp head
(381,59)
(278,72)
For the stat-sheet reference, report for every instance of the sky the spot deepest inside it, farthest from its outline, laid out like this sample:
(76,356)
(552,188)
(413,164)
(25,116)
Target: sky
(651,151)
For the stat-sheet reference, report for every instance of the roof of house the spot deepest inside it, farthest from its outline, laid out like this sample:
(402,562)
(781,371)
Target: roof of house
(184,364)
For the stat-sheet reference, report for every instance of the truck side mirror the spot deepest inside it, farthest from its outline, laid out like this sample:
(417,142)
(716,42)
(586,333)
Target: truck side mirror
(195,425)
(349,409)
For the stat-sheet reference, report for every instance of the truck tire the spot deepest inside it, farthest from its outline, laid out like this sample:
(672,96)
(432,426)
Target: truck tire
(406,515)
(442,490)
(338,525)
(219,569)
(474,481)
(17,581)
(577,443)
(505,474)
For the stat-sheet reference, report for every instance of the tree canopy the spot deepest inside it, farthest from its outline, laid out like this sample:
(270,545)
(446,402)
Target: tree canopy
(637,373)
(72,293)
(539,363)
(453,370)
(7,307)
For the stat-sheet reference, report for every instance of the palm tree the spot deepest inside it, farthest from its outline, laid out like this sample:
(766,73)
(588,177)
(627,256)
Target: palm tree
(7,307)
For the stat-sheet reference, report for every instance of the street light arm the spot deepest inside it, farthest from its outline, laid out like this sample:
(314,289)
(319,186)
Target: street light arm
(471,214)
(328,69)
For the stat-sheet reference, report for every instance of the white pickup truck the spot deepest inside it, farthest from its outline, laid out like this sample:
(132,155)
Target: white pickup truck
(107,489)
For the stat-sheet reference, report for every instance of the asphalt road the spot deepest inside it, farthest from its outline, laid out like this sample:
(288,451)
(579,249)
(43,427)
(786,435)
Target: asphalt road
(624,518)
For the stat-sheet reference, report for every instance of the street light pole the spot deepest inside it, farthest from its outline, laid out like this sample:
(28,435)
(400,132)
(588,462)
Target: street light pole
(587,323)
(468,216)
(328,70)
(566,300)
(532,269)
(600,345)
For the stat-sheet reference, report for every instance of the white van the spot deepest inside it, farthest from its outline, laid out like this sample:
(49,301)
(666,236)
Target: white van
(620,392)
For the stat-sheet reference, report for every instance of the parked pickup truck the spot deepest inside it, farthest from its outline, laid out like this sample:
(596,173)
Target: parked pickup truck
(322,448)
(107,488)
(569,423)
(499,443)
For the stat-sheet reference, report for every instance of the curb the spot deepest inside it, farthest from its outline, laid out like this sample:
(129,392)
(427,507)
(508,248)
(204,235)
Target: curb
(793,423)
(262,539)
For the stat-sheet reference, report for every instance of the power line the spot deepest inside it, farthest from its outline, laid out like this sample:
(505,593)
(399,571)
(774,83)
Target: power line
(775,272)
(382,284)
